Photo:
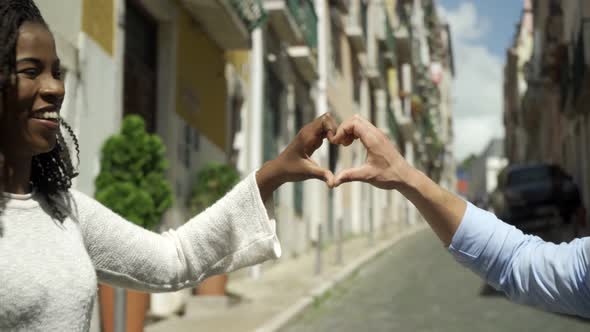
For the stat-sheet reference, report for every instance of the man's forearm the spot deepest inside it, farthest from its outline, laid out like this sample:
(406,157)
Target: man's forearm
(441,209)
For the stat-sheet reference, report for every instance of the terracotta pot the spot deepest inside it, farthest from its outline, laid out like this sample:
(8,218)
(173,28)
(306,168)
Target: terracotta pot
(137,306)
(213,286)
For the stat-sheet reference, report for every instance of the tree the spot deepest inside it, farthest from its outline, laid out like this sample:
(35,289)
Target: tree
(132,179)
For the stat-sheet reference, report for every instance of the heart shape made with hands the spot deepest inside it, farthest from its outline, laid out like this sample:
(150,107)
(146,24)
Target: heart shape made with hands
(382,159)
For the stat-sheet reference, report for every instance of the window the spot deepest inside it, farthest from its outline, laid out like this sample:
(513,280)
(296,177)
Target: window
(187,144)
(357,80)
(196,140)
(272,114)
(336,49)
(298,186)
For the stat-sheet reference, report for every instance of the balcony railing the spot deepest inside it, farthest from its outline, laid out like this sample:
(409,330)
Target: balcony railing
(392,123)
(251,12)
(364,16)
(304,13)
(389,41)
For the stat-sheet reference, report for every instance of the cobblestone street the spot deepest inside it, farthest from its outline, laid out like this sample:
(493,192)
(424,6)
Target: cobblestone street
(417,286)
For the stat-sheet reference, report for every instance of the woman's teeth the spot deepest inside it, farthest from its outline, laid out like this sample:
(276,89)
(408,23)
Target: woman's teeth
(48,115)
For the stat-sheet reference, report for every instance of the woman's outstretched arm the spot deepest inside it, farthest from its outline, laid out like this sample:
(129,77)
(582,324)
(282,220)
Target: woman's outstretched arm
(235,232)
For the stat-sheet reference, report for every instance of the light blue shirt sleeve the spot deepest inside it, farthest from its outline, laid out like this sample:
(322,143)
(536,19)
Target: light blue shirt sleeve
(526,268)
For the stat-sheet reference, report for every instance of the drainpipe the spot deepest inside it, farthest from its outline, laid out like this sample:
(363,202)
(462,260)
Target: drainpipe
(256,118)
(319,192)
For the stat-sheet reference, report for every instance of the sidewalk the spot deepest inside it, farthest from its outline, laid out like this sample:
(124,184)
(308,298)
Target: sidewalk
(283,291)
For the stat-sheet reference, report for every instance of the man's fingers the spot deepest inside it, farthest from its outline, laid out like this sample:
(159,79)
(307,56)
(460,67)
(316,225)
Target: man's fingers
(348,128)
(355,127)
(362,173)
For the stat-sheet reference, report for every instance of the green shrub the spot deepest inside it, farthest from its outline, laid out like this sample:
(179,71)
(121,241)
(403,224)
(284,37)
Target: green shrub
(211,183)
(132,179)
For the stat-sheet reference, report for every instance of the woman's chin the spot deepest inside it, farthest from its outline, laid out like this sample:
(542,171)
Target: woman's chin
(44,146)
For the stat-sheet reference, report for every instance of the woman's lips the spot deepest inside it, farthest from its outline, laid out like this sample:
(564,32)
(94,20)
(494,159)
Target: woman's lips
(49,123)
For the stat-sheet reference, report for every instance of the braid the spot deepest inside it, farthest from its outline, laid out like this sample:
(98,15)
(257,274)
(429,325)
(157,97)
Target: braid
(74,140)
(52,172)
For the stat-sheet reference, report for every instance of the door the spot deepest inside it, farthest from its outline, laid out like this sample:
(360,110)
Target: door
(141,58)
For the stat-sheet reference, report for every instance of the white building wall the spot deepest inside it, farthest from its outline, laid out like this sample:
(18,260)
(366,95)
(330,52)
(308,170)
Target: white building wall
(91,106)
(97,109)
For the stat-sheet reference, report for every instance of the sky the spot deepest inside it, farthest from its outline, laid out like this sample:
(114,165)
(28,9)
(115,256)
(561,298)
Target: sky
(481,32)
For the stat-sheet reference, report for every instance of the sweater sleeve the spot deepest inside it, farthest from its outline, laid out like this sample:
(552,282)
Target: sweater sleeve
(235,232)
(526,268)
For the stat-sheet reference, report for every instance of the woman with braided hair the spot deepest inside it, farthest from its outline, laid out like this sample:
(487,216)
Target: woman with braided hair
(57,243)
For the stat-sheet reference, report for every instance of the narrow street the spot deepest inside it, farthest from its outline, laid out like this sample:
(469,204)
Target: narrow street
(417,286)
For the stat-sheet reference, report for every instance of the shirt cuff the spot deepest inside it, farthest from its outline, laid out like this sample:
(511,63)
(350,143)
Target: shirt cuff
(473,234)
(267,209)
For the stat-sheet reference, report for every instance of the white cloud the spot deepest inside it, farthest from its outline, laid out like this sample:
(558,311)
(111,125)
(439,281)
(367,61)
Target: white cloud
(465,19)
(477,89)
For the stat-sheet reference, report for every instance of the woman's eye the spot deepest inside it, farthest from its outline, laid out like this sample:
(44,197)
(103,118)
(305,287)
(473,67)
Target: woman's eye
(30,72)
(58,74)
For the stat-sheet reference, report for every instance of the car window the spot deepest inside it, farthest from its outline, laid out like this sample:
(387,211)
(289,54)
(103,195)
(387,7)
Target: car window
(528,175)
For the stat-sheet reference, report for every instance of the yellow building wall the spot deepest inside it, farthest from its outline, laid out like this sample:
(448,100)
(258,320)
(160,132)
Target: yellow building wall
(240,59)
(390,8)
(98,21)
(393,84)
(201,85)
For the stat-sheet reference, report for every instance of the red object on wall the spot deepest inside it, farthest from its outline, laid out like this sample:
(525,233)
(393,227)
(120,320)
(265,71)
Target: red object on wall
(462,186)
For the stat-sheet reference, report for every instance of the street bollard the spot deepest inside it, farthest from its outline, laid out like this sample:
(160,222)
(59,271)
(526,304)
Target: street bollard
(371,235)
(371,232)
(339,239)
(318,262)
(120,308)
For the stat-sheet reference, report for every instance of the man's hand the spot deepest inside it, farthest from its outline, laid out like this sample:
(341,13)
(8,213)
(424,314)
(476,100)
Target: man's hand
(294,163)
(385,167)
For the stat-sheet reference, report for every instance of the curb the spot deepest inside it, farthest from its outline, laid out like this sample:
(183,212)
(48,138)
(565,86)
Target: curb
(280,320)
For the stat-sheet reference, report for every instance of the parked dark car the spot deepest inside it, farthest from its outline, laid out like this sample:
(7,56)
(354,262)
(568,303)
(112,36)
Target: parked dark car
(537,197)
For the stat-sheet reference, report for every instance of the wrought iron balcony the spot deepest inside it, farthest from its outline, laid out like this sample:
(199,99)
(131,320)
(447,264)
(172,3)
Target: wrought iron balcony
(390,55)
(356,26)
(377,72)
(295,21)
(250,11)
(228,22)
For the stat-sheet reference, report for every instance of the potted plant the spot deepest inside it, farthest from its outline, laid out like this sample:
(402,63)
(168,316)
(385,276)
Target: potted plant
(211,183)
(132,183)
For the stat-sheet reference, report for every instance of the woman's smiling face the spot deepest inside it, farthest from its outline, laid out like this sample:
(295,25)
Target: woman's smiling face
(30,122)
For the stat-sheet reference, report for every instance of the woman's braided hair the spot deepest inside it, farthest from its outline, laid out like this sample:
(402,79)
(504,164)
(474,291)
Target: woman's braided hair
(52,172)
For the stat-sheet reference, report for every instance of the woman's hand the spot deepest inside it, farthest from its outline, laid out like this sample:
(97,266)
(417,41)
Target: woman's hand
(294,163)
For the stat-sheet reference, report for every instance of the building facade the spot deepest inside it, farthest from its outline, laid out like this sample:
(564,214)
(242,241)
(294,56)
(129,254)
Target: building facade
(233,82)
(546,88)
(484,171)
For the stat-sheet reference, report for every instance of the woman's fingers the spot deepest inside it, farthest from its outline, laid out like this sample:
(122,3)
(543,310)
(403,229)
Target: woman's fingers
(329,125)
(316,172)
(313,134)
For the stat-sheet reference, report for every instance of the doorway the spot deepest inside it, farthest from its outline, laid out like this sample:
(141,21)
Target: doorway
(141,64)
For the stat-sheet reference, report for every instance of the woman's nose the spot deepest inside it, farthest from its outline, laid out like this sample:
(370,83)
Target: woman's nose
(52,90)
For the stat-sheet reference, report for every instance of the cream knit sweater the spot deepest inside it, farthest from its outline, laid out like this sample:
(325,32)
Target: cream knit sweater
(49,270)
